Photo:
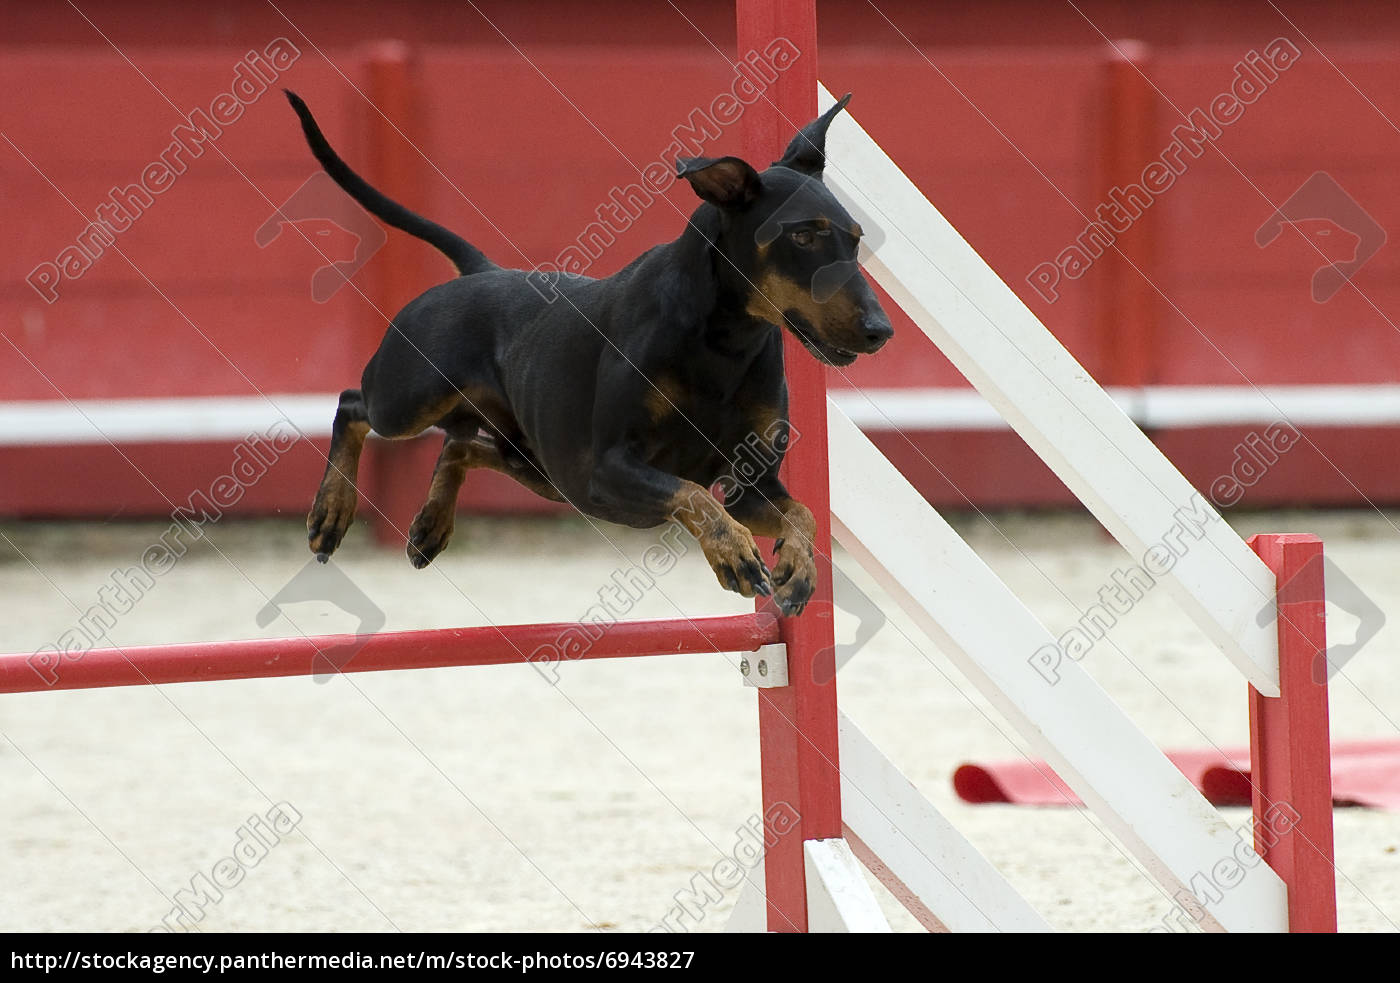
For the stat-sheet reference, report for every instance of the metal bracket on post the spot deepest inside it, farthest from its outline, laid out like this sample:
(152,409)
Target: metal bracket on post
(767,668)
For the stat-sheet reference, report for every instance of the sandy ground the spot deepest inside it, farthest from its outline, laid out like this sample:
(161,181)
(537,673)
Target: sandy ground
(464,800)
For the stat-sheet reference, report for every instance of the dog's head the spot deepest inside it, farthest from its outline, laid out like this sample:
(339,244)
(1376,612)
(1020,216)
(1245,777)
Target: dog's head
(792,246)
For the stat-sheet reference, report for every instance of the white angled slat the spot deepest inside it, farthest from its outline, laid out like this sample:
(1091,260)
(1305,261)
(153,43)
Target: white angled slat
(1067,419)
(838,899)
(921,853)
(990,635)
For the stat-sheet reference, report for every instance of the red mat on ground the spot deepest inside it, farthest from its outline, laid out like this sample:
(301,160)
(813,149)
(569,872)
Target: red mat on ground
(1364,773)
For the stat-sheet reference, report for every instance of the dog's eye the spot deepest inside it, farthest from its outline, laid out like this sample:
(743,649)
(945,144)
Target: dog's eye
(807,238)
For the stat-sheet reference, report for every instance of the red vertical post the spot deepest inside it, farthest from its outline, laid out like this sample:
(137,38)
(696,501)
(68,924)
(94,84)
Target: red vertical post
(797,723)
(1127,303)
(393,277)
(1290,747)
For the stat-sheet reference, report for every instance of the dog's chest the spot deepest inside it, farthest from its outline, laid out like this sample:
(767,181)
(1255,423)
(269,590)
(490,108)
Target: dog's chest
(701,435)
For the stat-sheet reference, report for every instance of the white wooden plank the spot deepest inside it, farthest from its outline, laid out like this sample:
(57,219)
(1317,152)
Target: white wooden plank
(838,898)
(1048,398)
(991,636)
(923,852)
(750,912)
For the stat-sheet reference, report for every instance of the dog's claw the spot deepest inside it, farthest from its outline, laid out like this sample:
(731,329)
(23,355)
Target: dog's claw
(792,604)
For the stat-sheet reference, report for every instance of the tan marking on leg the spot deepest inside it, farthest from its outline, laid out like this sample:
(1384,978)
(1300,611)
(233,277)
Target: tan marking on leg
(334,507)
(728,545)
(433,526)
(795,569)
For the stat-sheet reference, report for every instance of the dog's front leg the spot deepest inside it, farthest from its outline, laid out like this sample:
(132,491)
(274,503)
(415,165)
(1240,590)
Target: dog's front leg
(649,496)
(768,510)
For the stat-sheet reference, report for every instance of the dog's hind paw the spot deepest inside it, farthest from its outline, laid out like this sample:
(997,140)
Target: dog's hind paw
(428,536)
(326,525)
(421,557)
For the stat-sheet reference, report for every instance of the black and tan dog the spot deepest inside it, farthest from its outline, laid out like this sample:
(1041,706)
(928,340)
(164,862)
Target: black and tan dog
(625,396)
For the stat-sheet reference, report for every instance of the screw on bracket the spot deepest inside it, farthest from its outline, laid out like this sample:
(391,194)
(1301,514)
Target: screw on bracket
(767,669)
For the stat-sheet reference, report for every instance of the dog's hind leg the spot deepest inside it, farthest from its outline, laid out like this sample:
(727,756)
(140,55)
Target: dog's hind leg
(334,506)
(433,526)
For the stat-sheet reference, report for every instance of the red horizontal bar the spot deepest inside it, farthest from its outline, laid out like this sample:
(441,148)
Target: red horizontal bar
(545,646)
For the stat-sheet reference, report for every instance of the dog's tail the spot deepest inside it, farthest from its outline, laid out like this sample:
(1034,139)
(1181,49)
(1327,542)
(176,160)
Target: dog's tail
(466,257)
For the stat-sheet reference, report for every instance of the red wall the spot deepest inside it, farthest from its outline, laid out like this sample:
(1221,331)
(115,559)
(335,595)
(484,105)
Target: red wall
(1003,114)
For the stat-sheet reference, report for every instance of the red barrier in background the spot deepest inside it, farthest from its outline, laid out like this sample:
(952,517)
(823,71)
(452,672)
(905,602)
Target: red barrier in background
(1016,133)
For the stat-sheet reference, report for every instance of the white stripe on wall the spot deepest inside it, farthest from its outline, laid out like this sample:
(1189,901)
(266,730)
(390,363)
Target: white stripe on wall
(1152,407)
(26,423)
(174,420)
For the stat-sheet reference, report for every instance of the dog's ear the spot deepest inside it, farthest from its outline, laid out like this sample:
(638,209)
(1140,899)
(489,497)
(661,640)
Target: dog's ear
(724,181)
(807,152)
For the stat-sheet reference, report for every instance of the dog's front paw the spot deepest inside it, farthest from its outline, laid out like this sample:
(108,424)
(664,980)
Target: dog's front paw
(329,519)
(734,557)
(794,575)
(429,535)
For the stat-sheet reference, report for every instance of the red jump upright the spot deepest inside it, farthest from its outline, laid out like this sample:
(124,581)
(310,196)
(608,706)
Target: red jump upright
(797,723)
(1289,742)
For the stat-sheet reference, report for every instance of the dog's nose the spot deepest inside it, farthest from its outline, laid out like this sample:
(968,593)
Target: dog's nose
(877,332)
